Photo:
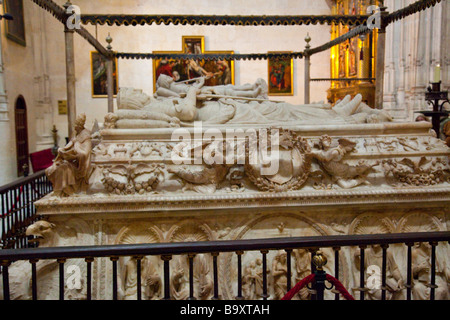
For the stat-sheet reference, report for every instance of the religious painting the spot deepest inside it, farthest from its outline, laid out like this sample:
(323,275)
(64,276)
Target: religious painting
(352,57)
(342,60)
(99,76)
(15,29)
(218,72)
(281,76)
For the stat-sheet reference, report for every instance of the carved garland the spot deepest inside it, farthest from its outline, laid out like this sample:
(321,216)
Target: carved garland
(131,172)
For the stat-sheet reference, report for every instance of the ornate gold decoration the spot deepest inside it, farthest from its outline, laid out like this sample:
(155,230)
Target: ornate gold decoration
(319,260)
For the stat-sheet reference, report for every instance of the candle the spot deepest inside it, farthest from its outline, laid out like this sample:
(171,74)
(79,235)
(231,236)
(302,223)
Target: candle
(437,73)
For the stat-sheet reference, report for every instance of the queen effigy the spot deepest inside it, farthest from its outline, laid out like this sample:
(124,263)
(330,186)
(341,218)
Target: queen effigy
(199,163)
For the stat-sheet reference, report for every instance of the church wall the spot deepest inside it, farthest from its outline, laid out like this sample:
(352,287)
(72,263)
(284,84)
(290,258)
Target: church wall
(23,75)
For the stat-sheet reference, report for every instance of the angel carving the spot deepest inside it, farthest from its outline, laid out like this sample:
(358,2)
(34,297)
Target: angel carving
(331,158)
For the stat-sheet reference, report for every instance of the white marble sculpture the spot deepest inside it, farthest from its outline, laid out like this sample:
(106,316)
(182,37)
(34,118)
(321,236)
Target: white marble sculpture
(234,105)
(69,173)
(373,261)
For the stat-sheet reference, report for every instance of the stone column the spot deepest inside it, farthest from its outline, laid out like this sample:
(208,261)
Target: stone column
(109,74)
(381,49)
(307,70)
(70,76)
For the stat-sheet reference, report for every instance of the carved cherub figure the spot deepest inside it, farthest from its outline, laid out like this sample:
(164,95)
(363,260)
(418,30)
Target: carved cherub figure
(331,158)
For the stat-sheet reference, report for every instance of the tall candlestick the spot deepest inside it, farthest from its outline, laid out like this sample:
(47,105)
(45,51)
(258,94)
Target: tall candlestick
(437,73)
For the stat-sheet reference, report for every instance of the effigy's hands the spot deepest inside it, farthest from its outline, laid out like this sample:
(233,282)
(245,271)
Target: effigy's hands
(174,122)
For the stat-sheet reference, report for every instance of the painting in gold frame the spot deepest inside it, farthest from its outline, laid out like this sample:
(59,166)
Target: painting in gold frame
(99,76)
(281,76)
(15,29)
(221,71)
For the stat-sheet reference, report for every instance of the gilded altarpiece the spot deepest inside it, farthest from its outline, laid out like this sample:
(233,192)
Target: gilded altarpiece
(353,59)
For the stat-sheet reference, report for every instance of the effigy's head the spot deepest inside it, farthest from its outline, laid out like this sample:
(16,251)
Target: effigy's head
(131,98)
(80,122)
(164,81)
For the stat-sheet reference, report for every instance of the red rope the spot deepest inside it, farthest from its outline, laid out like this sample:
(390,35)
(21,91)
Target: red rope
(298,287)
(339,287)
(337,284)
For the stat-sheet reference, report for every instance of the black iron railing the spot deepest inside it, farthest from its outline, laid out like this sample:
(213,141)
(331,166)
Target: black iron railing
(215,248)
(18,211)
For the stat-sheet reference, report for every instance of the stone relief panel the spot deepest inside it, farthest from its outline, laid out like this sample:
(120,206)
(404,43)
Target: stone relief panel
(421,257)
(151,266)
(396,276)
(272,226)
(372,223)
(190,231)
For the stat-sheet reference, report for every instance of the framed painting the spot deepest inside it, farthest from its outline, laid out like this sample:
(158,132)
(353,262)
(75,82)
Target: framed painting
(281,76)
(221,72)
(99,76)
(353,61)
(15,29)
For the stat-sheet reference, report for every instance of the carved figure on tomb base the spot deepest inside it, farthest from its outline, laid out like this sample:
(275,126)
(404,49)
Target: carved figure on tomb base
(70,171)
(373,262)
(151,283)
(130,280)
(303,267)
(179,282)
(248,281)
(202,277)
(252,281)
(421,270)
(151,280)
(331,157)
(203,283)
(279,273)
